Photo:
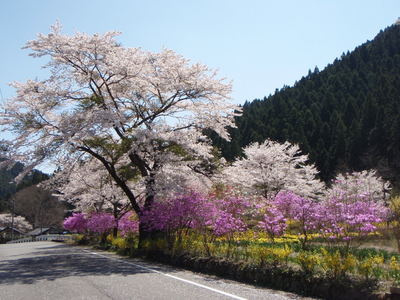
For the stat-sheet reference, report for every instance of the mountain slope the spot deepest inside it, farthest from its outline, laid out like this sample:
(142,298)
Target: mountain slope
(8,187)
(347,117)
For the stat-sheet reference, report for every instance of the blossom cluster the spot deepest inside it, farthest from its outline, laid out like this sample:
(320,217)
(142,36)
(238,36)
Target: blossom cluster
(335,217)
(128,224)
(223,215)
(20,223)
(273,223)
(341,218)
(76,223)
(101,223)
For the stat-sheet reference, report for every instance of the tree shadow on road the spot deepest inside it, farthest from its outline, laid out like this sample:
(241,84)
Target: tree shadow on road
(60,261)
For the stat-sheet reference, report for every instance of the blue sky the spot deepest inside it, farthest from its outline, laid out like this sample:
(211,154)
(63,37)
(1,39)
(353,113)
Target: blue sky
(259,45)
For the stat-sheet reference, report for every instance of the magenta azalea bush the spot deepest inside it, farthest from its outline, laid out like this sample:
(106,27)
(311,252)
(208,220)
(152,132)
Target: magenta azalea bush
(221,215)
(307,213)
(184,211)
(230,215)
(341,219)
(76,223)
(128,224)
(336,218)
(273,223)
(101,222)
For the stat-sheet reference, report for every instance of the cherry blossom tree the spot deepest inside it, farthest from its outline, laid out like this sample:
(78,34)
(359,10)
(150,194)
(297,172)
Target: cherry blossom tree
(89,188)
(140,114)
(271,167)
(20,222)
(365,185)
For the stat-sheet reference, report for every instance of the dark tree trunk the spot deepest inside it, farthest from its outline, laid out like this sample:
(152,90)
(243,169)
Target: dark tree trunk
(116,218)
(115,232)
(144,234)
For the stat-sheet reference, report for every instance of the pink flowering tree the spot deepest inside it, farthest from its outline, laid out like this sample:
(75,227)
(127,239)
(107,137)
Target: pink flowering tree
(210,216)
(89,188)
(101,223)
(191,210)
(230,214)
(343,220)
(273,222)
(176,216)
(76,223)
(128,224)
(306,213)
(354,204)
(140,114)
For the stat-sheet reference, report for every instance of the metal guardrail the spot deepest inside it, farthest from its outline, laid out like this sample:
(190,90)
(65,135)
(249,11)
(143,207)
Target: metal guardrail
(45,237)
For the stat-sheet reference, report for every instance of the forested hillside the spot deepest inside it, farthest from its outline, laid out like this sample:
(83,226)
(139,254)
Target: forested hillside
(347,117)
(8,187)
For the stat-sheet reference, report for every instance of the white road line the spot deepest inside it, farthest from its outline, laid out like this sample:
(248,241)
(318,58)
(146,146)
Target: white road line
(171,276)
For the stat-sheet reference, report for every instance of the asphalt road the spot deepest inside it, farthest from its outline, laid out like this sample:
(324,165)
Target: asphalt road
(47,270)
